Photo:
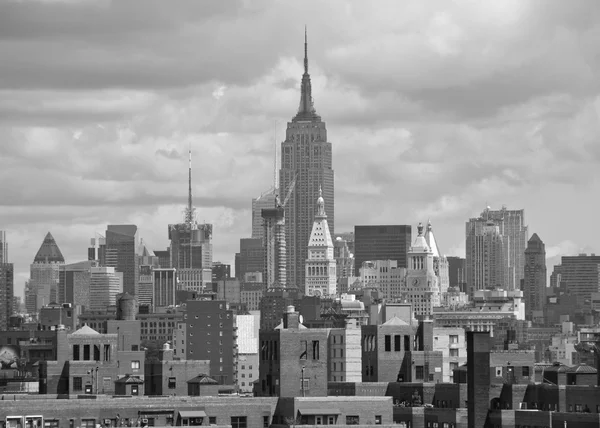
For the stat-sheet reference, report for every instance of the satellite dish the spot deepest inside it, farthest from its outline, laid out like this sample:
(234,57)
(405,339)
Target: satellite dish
(301,319)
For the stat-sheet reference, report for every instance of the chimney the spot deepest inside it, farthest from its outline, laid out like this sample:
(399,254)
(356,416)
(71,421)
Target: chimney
(291,318)
(478,378)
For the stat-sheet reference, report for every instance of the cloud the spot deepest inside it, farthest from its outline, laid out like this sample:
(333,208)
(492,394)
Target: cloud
(434,110)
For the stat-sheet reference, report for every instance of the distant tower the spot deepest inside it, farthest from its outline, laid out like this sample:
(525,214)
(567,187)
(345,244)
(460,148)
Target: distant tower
(6,284)
(121,254)
(307,155)
(440,263)
(265,200)
(534,283)
(191,245)
(421,287)
(274,242)
(486,252)
(321,278)
(44,274)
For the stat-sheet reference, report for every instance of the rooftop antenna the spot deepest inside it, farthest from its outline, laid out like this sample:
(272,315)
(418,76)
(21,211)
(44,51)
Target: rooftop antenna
(305,50)
(275,160)
(189,212)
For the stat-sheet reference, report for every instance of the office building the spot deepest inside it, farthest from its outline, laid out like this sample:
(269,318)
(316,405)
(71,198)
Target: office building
(389,242)
(534,282)
(164,285)
(321,278)
(164,258)
(105,284)
(265,200)
(306,160)
(221,271)
(512,227)
(451,343)
(191,242)
(457,274)
(251,258)
(211,335)
(385,276)
(422,284)
(121,254)
(6,284)
(44,276)
(194,279)
(344,259)
(579,276)
(247,347)
(74,283)
(486,251)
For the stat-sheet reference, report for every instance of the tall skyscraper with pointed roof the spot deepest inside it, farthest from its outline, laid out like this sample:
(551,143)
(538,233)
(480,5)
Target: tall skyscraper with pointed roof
(320,265)
(44,276)
(306,156)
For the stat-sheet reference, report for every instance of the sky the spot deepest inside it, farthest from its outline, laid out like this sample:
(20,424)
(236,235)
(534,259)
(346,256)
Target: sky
(435,109)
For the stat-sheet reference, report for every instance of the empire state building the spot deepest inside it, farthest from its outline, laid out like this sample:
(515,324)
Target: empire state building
(306,157)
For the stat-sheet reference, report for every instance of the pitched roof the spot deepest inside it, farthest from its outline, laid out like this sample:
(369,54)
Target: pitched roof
(130,379)
(49,251)
(203,380)
(395,321)
(85,331)
(581,368)
(320,235)
(430,239)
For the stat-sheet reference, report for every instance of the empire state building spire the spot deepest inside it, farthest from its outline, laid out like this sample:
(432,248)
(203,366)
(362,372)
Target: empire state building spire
(306,110)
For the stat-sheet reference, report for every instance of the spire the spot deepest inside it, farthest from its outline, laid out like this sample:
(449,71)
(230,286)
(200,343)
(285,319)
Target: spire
(431,241)
(306,110)
(321,205)
(189,211)
(49,251)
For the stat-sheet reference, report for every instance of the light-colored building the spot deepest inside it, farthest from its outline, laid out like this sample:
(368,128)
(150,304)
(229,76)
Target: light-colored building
(274,241)
(194,279)
(451,343)
(385,276)
(251,294)
(247,345)
(105,284)
(321,278)
(306,159)
(164,287)
(485,310)
(422,288)
(345,353)
(440,262)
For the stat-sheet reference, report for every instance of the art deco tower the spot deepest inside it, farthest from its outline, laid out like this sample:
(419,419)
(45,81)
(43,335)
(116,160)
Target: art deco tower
(534,282)
(305,156)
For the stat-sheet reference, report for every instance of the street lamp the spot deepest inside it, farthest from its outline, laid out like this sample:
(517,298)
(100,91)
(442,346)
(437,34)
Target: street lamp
(303,392)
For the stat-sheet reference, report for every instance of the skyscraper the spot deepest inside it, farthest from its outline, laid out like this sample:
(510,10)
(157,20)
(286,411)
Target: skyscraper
(321,278)
(512,226)
(191,243)
(6,283)
(440,263)
(580,276)
(306,157)
(390,242)
(485,251)
(251,257)
(422,288)
(457,275)
(265,200)
(274,242)
(534,282)
(44,275)
(121,254)
(105,284)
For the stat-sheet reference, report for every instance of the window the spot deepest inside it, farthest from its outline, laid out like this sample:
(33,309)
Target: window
(77,384)
(266,421)
(525,371)
(453,338)
(239,422)
(88,423)
(498,371)
(135,365)
(75,352)
(397,343)
(51,423)
(419,372)
(304,384)
(388,343)
(454,352)
(352,420)
(377,419)
(315,346)
(86,352)
(212,420)
(172,383)
(134,390)
(243,367)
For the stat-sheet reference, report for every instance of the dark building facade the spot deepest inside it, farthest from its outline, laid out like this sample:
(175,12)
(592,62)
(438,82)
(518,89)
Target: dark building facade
(6,293)
(383,242)
(457,273)
(534,280)
(579,276)
(221,271)
(120,253)
(211,335)
(251,257)
(306,160)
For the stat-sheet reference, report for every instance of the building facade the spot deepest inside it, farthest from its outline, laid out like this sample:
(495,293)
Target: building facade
(121,254)
(321,277)
(105,284)
(580,276)
(306,159)
(275,247)
(251,258)
(164,286)
(534,282)
(390,242)
(44,279)
(265,200)
(440,262)
(385,276)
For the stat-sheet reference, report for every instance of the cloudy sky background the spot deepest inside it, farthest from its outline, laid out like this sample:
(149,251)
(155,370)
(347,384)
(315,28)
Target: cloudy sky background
(434,109)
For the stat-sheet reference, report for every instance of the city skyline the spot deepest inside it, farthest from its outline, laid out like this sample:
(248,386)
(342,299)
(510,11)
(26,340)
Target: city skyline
(427,115)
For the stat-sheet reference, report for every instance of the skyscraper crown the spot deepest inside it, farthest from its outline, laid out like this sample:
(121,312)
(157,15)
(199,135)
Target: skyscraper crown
(49,251)
(306,110)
